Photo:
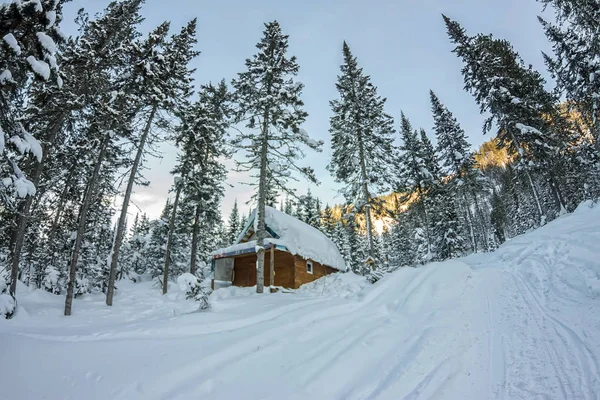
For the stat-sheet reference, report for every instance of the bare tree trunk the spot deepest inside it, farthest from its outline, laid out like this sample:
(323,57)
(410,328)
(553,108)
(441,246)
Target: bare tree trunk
(482,222)
(536,198)
(470,222)
(122,222)
(83,214)
(23,214)
(195,232)
(426,217)
(272,267)
(170,239)
(260,212)
(558,197)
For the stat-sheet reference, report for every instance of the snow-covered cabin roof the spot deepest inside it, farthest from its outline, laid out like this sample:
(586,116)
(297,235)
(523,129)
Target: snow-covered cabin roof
(291,234)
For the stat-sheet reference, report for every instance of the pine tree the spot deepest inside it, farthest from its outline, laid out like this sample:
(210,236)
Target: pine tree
(163,78)
(233,226)
(361,140)
(327,222)
(449,242)
(201,138)
(415,181)
(576,66)
(30,33)
(103,125)
(268,102)
(289,205)
(526,115)
(28,62)
(458,164)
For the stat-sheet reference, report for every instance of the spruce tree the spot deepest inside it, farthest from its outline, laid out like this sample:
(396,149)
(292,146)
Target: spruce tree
(269,105)
(525,113)
(576,66)
(415,181)
(162,79)
(233,226)
(361,140)
(458,165)
(104,125)
(202,139)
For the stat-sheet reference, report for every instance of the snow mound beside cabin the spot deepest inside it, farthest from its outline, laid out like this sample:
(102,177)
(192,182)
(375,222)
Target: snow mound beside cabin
(335,285)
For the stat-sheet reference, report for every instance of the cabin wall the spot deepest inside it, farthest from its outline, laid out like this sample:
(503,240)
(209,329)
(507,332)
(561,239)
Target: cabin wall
(301,276)
(245,269)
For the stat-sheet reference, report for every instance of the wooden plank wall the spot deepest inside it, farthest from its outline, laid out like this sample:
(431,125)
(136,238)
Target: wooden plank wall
(245,269)
(301,276)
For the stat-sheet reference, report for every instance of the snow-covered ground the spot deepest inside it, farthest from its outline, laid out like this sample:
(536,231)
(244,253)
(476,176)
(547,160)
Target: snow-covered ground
(521,323)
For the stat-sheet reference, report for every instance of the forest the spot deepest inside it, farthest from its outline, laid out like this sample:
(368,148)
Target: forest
(81,115)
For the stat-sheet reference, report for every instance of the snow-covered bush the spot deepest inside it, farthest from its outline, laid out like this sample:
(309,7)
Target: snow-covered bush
(52,282)
(7,305)
(82,285)
(193,289)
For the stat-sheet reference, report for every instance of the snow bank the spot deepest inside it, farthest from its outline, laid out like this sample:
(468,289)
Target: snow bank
(233,291)
(520,323)
(335,285)
(7,304)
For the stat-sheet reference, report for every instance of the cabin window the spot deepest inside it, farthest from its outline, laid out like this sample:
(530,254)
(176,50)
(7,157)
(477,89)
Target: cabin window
(309,267)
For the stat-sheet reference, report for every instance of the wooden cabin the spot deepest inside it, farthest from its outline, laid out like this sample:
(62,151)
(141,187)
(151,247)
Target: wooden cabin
(298,252)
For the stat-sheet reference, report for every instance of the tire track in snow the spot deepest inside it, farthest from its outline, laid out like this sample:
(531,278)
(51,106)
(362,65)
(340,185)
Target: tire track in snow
(496,352)
(587,373)
(549,339)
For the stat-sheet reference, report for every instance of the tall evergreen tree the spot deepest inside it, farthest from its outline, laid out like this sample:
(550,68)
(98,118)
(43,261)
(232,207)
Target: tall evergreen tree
(523,110)
(201,137)
(361,140)
(458,164)
(415,180)
(233,226)
(576,66)
(163,79)
(268,103)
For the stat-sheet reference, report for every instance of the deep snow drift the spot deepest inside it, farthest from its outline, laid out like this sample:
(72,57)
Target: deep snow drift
(521,323)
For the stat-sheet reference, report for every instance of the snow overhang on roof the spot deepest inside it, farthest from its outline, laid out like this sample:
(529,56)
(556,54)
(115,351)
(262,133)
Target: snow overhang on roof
(245,248)
(288,234)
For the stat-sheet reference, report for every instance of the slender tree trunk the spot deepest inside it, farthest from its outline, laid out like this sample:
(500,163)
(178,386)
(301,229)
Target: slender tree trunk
(122,222)
(272,268)
(426,217)
(558,197)
(195,232)
(260,212)
(83,214)
(536,198)
(170,239)
(470,222)
(23,214)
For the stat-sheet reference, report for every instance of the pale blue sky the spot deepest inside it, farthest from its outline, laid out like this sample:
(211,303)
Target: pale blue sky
(402,44)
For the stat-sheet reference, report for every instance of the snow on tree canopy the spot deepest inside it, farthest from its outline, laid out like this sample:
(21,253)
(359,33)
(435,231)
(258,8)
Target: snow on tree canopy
(299,238)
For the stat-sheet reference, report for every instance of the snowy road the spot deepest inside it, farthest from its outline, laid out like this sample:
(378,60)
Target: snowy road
(521,323)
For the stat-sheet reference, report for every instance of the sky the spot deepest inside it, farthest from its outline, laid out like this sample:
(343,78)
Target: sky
(401,44)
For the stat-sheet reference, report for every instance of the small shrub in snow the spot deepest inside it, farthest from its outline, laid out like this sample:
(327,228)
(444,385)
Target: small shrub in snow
(82,285)
(134,276)
(193,289)
(51,281)
(7,305)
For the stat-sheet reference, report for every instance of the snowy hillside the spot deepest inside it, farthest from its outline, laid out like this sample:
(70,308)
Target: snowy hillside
(520,323)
